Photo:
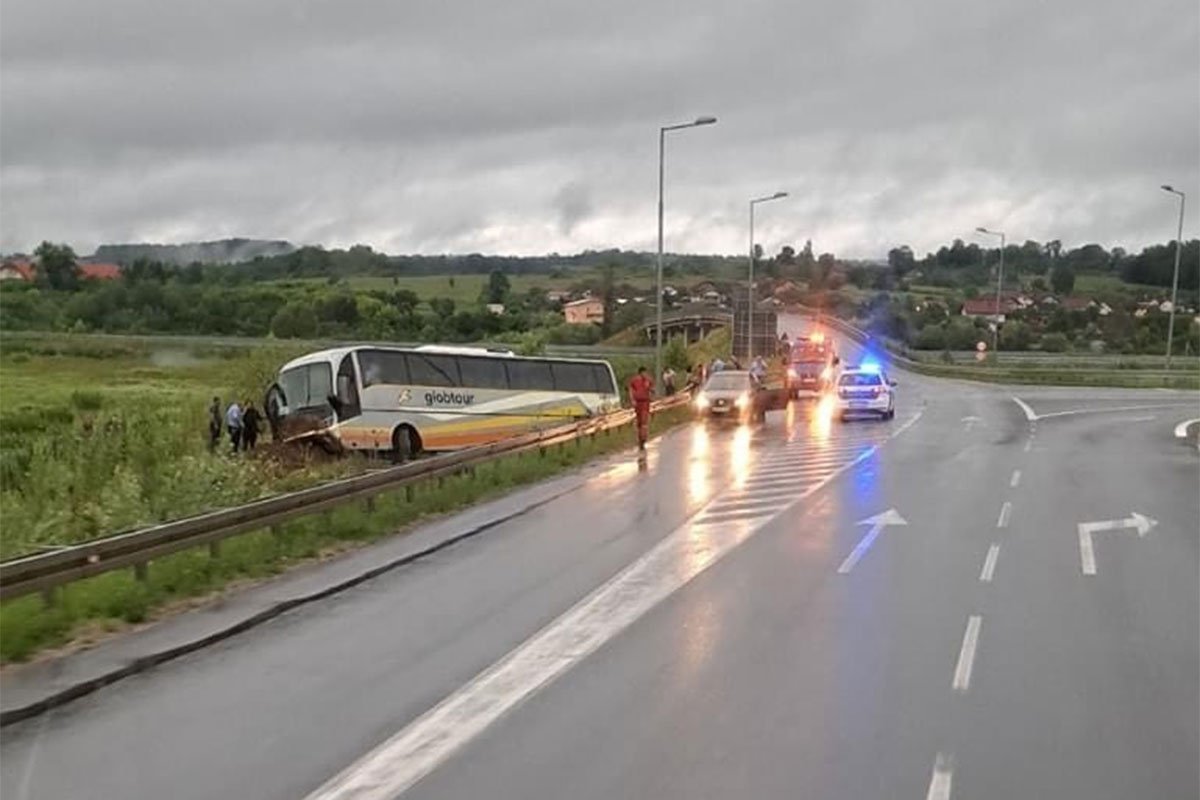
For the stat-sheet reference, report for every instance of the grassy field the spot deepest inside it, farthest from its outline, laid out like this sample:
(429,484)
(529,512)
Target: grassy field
(96,439)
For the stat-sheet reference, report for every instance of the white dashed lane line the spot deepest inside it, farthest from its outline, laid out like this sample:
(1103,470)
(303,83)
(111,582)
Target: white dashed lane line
(1005,514)
(1016,479)
(989,563)
(966,655)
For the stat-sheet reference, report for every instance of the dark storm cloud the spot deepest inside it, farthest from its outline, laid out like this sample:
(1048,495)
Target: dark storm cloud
(530,126)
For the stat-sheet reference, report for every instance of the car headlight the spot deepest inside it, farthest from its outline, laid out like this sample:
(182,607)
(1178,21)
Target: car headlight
(701,402)
(742,401)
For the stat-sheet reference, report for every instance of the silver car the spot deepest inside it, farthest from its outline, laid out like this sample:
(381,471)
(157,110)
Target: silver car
(728,394)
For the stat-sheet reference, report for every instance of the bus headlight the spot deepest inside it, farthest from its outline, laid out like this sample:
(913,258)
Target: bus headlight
(742,401)
(701,402)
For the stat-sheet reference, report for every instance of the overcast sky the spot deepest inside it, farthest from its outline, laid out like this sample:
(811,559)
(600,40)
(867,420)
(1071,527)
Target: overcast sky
(530,126)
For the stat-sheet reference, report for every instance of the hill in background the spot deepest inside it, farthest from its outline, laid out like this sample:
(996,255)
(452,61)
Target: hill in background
(224,251)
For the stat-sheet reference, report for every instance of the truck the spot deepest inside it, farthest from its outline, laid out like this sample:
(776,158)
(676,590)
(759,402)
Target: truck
(811,364)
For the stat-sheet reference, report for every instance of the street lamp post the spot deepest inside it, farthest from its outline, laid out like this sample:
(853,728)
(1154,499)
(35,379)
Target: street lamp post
(999,286)
(750,278)
(1175,280)
(658,314)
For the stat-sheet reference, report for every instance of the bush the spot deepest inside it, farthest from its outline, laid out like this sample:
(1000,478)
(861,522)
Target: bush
(87,400)
(1055,343)
(931,337)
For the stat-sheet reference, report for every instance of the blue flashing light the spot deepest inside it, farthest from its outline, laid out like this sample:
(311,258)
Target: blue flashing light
(870,366)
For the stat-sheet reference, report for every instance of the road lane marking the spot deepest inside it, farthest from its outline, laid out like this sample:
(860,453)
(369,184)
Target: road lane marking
(966,656)
(1181,428)
(1087,553)
(989,563)
(1005,513)
(877,523)
(1028,444)
(943,775)
(414,751)
(1016,478)
(1029,415)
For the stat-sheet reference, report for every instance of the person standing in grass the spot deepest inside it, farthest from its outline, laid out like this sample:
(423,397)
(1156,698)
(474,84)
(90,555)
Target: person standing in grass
(668,378)
(251,424)
(233,421)
(214,424)
(641,392)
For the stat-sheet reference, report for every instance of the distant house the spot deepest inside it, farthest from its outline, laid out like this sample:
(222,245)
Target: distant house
(496,308)
(986,307)
(98,271)
(1076,303)
(558,296)
(16,269)
(584,312)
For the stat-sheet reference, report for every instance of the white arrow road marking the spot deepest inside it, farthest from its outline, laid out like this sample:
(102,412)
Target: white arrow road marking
(970,421)
(1087,553)
(877,523)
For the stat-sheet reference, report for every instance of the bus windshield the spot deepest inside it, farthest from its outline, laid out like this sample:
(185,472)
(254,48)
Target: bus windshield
(307,386)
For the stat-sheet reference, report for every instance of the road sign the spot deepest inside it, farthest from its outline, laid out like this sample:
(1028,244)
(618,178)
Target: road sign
(1087,553)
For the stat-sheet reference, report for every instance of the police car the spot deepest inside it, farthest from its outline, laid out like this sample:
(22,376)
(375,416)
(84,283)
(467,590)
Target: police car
(865,390)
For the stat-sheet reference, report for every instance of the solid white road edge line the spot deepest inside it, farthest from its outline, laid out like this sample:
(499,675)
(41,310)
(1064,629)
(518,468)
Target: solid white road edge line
(1016,478)
(1181,428)
(420,747)
(1029,415)
(966,656)
(1113,410)
(1005,513)
(943,775)
(989,563)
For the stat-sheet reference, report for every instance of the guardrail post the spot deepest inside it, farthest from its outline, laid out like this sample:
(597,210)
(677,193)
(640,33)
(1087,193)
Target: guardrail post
(50,597)
(214,549)
(141,571)
(277,531)
(370,504)
(408,493)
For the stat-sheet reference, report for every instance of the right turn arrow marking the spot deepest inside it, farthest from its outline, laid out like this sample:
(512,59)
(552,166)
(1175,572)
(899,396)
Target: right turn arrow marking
(1087,552)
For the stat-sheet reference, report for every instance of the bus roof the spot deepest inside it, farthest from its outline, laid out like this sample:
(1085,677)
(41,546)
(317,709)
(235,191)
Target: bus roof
(335,354)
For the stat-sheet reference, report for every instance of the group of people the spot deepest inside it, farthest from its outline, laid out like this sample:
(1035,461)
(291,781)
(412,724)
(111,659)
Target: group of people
(243,424)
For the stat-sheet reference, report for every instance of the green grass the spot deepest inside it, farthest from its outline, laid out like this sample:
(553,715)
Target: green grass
(108,602)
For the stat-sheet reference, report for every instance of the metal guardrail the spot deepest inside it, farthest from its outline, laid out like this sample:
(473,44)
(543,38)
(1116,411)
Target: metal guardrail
(46,571)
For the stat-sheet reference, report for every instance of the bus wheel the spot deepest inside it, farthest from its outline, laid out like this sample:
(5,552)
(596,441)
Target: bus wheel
(405,444)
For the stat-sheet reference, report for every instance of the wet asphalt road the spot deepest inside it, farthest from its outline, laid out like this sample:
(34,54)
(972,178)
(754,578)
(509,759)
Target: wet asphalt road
(763,642)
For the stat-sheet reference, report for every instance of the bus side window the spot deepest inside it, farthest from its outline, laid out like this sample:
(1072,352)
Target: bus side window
(480,372)
(533,376)
(428,369)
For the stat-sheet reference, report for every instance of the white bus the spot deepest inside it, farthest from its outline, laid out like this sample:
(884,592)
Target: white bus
(430,398)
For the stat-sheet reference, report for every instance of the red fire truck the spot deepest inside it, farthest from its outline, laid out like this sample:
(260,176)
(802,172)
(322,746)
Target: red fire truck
(811,365)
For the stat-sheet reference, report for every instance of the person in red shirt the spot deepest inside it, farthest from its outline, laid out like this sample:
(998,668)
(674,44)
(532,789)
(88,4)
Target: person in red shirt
(641,392)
